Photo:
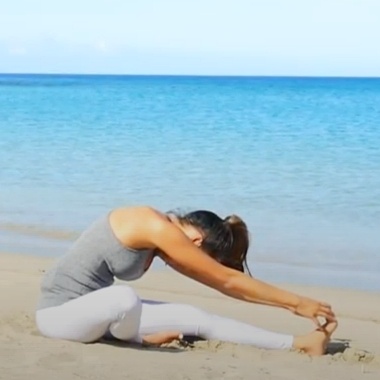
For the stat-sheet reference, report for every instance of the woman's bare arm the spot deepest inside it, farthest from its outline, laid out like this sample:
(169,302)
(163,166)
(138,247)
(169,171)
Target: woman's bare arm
(154,230)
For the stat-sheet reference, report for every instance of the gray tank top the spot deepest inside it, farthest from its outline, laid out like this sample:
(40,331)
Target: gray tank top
(92,263)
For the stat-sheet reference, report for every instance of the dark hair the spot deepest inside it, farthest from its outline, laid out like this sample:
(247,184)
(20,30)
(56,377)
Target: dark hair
(225,240)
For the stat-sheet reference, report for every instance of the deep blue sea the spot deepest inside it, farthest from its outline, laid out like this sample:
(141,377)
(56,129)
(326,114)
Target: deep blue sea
(297,158)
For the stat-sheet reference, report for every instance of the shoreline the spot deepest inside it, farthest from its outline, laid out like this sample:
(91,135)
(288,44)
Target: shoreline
(25,353)
(45,260)
(286,261)
(353,275)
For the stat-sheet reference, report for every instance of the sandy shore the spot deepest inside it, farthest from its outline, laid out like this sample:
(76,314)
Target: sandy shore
(24,354)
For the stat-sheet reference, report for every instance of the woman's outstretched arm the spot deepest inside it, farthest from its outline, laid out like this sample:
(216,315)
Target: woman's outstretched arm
(240,286)
(152,229)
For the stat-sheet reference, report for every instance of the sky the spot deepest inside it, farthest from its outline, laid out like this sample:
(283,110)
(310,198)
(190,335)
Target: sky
(191,37)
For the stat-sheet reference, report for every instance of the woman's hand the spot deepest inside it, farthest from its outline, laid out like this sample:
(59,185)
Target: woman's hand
(313,309)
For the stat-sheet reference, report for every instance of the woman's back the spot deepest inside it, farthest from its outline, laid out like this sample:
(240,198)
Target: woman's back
(91,264)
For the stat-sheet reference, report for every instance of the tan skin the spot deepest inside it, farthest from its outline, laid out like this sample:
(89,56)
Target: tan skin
(178,246)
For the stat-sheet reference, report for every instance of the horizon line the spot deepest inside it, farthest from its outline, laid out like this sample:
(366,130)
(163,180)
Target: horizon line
(189,75)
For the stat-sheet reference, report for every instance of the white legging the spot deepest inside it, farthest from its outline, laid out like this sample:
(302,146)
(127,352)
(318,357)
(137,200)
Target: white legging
(119,311)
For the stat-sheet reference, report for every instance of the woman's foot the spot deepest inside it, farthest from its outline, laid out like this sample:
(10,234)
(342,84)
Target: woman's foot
(315,343)
(163,337)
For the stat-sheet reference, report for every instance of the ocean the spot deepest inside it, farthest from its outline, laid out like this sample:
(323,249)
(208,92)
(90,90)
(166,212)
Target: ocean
(297,158)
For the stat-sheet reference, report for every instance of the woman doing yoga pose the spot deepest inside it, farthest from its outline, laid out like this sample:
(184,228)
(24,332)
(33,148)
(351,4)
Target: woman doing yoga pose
(78,303)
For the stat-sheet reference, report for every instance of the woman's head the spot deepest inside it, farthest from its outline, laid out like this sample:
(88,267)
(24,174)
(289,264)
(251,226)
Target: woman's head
(225,240)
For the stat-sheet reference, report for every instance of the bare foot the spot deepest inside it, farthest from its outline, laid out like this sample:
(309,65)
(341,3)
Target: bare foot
(161,338)
(315,343)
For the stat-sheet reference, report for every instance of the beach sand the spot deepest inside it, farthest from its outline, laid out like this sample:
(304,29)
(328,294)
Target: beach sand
(25,354)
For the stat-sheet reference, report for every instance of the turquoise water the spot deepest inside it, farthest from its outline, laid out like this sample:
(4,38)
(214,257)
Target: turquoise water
(297,158)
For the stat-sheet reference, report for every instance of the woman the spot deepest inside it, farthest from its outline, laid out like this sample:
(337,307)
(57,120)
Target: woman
(77,302)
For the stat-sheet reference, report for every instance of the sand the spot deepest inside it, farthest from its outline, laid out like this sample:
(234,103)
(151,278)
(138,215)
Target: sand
(354,352)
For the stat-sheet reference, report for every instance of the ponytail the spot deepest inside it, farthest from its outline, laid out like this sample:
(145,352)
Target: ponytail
(240,243)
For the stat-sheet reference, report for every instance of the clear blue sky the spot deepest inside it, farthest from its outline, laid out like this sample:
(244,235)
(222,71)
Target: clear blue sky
(236,37)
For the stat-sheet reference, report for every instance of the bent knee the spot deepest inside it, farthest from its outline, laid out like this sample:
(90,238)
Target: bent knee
(124,299)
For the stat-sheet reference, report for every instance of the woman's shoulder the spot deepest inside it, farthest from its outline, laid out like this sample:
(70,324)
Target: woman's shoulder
(137,213)
(135,226)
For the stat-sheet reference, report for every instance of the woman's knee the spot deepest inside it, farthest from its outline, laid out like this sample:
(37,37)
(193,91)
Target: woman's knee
(126,318)
(124,300)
